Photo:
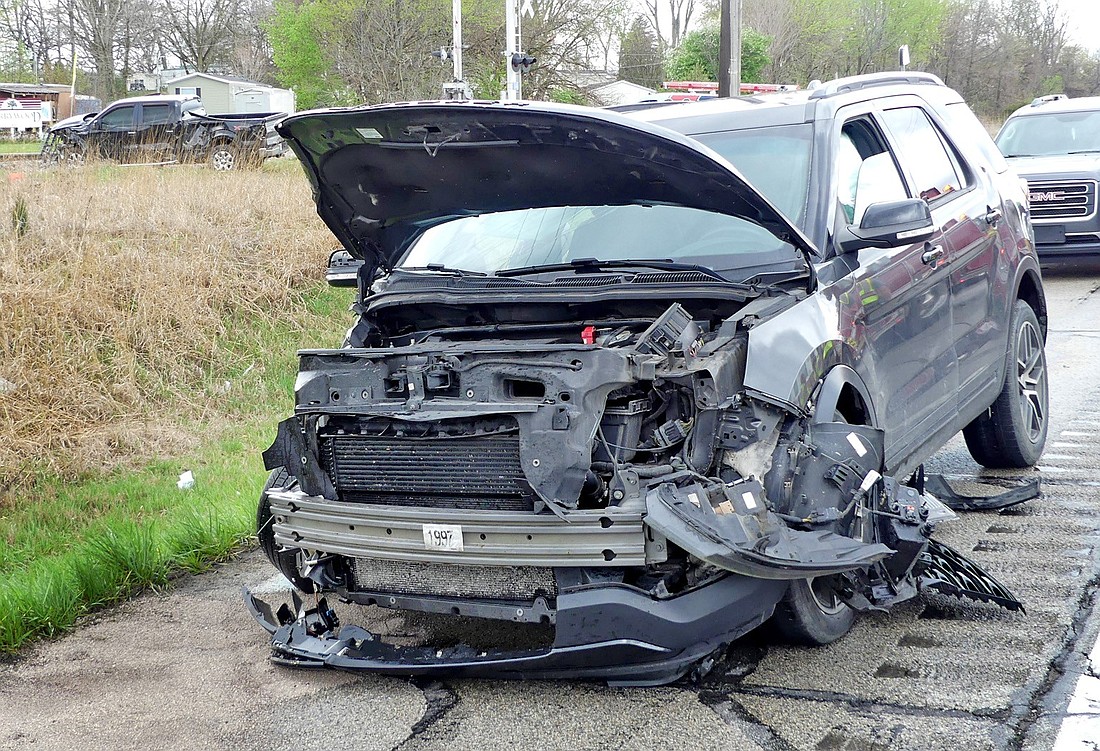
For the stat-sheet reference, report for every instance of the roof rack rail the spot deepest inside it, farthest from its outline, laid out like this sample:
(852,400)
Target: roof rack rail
(855,83)
(1041,100)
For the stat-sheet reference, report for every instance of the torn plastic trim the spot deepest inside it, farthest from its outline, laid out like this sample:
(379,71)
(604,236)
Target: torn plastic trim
(609,633)
(950,572)
(753,545)
(941,488)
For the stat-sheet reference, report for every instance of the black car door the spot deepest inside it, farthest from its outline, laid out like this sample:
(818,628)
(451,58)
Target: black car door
(155,139)
(961,204)
(894,308)
(112,133)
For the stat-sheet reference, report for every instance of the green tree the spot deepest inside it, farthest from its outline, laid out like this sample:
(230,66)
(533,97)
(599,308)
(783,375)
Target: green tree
(296,49)
(639,57)
(696,59)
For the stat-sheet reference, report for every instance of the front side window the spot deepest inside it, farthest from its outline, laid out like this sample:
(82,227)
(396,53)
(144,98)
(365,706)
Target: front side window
(922,151)
(502,240)
(120,118)
(865,171)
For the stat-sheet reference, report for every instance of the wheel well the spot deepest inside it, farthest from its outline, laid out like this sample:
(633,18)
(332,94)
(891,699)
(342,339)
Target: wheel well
(1030,292)
(842,392)
(851,407)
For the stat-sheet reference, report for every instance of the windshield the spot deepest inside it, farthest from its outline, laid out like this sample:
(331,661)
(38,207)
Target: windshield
(1050,134)
(775,159)
(497,241)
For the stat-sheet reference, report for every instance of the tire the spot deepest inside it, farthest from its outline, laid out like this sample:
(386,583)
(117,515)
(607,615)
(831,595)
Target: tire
(223,157)
(286,559)
(71,156)
(808,615)
(1013,431)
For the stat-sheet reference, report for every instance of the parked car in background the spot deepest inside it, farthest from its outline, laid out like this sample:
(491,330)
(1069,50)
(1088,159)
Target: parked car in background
(165,129)
(1054,144)
(649,379)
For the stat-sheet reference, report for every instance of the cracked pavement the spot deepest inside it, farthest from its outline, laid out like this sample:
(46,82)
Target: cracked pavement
(189,667)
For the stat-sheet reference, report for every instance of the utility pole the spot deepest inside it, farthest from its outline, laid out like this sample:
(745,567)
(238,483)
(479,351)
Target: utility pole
(729,49)
(513,91)
(457,90)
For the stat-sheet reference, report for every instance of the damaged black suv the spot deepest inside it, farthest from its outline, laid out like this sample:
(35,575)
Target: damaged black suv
(649,378)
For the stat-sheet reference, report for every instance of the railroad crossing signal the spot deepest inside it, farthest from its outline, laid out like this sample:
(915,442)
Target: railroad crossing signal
(522,63)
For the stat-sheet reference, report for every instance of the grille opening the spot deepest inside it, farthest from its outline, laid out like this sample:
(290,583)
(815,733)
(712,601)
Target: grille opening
(507,583)
(523,389)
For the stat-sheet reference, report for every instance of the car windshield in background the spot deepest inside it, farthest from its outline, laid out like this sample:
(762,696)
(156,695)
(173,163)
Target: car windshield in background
(498,241)
(1051,134)
(776,160)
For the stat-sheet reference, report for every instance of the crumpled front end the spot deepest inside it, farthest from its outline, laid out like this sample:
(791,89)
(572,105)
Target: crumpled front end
(628,492)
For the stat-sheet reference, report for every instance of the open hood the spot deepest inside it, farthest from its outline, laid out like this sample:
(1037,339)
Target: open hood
(384,174)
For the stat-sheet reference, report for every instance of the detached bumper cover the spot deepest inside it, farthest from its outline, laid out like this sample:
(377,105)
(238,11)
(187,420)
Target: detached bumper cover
(606,632)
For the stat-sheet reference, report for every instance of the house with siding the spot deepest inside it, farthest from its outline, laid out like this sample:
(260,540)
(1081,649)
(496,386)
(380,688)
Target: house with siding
(232,94)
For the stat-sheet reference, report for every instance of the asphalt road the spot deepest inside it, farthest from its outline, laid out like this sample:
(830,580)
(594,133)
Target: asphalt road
(187,668)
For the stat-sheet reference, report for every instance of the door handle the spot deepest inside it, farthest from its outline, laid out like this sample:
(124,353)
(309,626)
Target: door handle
(992,216)
(932,253)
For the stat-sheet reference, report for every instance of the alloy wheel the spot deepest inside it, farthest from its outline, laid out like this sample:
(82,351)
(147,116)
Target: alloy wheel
(1031,375)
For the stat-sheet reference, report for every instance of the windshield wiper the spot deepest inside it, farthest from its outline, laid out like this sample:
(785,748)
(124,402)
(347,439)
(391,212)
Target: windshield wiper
(1085,151)
(440,268)
(581,265)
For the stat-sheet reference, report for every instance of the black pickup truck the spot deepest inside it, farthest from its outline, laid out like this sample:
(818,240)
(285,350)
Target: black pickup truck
(164,130)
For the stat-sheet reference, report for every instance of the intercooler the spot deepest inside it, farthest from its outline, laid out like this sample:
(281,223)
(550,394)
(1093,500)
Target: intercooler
(515,583)
(458,472)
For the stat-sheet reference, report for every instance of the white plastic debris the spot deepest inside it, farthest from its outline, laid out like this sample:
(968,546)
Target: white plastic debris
(6,385)
(186,481)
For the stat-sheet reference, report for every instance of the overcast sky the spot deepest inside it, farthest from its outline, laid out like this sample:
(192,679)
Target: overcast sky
(1083,17)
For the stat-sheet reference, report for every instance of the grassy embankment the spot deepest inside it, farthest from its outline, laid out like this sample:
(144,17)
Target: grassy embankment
(148,323)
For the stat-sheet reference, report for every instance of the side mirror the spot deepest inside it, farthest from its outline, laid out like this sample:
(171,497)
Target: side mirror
(888,225)
(343,270)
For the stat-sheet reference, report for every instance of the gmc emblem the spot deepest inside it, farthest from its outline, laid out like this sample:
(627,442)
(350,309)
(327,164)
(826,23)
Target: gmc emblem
(1039,197)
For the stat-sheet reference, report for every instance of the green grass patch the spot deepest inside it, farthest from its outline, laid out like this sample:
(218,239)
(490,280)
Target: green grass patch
(67,548)
(20,147)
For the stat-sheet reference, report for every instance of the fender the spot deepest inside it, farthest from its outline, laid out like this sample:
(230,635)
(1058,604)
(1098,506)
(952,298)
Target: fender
(1029,288)
(790,353)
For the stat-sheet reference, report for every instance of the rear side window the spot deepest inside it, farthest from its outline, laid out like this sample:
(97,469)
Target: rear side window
(922,152)
(156,114)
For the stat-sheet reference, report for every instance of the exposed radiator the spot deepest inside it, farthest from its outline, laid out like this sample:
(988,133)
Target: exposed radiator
(478,472)
(516,583)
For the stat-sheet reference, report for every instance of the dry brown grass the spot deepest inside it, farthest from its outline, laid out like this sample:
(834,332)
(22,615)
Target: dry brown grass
(117,303)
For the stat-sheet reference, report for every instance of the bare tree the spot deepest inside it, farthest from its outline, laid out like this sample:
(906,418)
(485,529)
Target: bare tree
(251,54)
(202,33)
(679,13)
(96,26)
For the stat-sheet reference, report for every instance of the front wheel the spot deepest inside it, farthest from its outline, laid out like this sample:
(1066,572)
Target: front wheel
(284,559)
(1013,431)
(811,613)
